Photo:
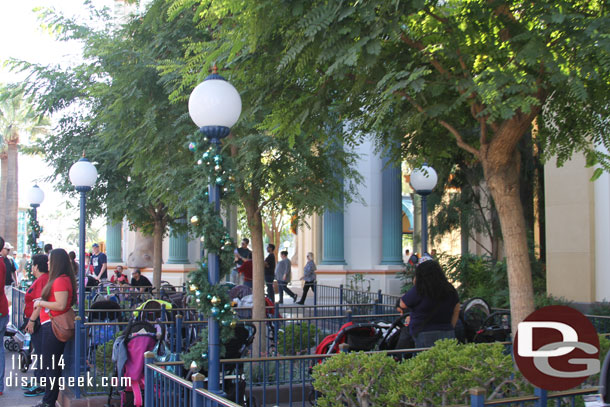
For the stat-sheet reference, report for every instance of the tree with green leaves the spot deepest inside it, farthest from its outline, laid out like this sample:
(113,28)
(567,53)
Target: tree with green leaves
(114,106)
(18,118)
(308,172)
(427,74)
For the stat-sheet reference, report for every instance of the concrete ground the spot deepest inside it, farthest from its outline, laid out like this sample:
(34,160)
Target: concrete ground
(13,395)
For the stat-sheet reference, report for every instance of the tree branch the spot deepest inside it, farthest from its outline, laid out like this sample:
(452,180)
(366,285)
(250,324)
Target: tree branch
(458,137)
(420,47)
(436,16)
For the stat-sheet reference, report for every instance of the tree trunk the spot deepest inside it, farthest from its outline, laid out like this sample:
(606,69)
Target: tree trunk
(502,176)
(157,253)
(12,195)
(3,188)
(255,225)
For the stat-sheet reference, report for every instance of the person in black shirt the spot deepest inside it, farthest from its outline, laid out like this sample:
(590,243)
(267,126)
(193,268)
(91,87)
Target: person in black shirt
(243,253)
(138,280)
(270,271)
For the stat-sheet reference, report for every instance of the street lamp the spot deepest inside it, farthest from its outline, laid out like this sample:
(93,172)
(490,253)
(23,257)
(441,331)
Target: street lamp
(35,197)
(214,106)
(83,176)
(423,181)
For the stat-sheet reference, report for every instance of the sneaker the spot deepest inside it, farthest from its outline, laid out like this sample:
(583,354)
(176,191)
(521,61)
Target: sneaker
(294,298)
(36,391)
(27,387)
(42,404)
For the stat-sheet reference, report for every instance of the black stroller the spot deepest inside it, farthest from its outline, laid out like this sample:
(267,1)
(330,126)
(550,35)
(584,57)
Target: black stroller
(234,384)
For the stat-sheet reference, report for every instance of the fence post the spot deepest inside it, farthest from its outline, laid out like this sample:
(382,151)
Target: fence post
(149,359)
(197,399)
(379,300)
(77,349)
(315,299)
(178,333)
(477,397)
(341,294)
(348,315)
(542,397)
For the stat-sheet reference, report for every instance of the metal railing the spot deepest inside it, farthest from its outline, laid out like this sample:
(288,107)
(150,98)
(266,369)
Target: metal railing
(165,389)
(540,398)
(17,307)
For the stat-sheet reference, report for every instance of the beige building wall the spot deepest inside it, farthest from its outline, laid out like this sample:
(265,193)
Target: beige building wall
(570,230)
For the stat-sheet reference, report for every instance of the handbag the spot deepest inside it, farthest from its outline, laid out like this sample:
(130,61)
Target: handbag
(63,325)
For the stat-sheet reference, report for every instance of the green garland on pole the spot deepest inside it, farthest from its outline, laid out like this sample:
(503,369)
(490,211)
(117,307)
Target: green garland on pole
(211,300)
(35,230)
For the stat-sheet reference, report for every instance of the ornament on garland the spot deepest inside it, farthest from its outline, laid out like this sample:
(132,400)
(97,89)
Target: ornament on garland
(34,233)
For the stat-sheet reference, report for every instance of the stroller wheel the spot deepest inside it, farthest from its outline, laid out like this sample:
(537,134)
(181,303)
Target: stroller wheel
(24,362)
(14,346)
(7,344)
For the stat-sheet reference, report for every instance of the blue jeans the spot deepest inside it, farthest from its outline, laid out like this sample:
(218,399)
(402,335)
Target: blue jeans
(3,324)
(426,339)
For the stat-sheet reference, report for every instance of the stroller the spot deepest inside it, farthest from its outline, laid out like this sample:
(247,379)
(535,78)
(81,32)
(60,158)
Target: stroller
(362,336)
(128,351)
(234,384)
(13,338)
(105,311)
(473,313)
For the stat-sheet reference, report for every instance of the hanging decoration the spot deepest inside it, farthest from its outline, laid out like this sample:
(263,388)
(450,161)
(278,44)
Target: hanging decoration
(210,300)
(205,221)
(215,166)
(35,230)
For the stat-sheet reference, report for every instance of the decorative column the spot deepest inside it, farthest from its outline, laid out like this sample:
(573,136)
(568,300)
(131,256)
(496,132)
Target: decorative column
(114,241)
(178,246)
(333,253)
(391,214)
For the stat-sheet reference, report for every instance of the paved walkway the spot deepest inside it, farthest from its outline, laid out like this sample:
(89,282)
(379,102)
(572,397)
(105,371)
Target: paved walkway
(13,395)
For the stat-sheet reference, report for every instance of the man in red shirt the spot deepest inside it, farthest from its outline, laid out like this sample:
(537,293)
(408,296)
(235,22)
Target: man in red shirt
(3,318)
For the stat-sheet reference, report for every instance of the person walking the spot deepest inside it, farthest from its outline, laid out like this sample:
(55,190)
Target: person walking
(309,276)
(269,271)
(40,270)
(282,274)
(57,297)
(3,317)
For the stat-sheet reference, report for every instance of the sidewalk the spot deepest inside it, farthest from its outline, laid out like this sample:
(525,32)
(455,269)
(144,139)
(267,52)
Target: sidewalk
(13,395)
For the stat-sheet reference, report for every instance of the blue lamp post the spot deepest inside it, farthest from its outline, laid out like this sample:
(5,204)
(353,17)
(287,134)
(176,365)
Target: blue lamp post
(423,181)
(214,106)
(83,176)
(35,197)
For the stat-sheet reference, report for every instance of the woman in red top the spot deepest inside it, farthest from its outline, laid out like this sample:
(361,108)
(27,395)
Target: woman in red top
(40,269)
(58,296)
(3,318)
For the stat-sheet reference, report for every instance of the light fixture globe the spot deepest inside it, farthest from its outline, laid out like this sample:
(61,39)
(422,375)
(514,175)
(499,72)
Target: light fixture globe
(423,180)
(83,173)
(215,102)
(35,196)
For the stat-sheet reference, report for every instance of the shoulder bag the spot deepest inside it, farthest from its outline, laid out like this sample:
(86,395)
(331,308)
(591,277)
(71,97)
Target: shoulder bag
(63,325)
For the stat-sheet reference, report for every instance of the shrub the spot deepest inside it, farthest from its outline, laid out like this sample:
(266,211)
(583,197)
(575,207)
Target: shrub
(297,339)
(357,379)
(440,376)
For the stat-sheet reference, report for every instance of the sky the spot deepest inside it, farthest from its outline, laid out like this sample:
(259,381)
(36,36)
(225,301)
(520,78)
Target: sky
(22,38)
